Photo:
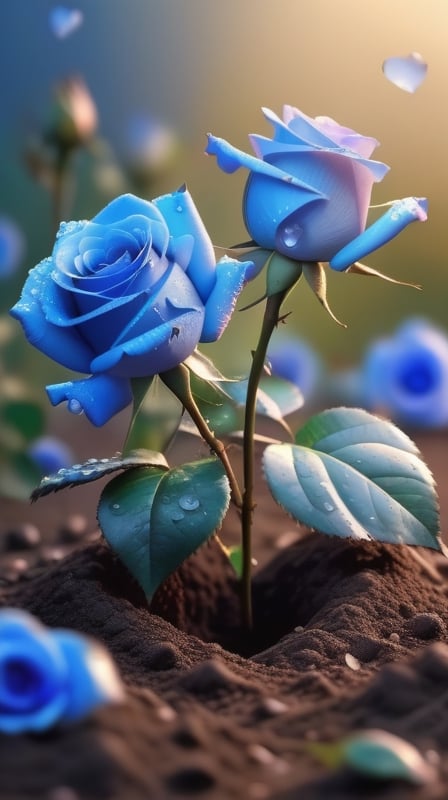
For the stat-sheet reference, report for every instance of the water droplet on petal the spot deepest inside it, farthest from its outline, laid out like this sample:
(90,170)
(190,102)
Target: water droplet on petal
(328,506)
(406,72)
(64,21)
(179,209)
(189,502)
(291,235)
(176,515)
(74,406)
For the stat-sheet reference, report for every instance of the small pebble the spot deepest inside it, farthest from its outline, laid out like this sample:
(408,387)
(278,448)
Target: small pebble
(166,713)
(50,555)
(274,706)
(394,637)
(73,529)
(286,539)
(426,626)
(352,662)
(24,537)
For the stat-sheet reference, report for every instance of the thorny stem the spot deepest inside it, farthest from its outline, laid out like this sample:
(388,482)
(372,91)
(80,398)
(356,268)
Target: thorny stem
(178,380)
(270,321)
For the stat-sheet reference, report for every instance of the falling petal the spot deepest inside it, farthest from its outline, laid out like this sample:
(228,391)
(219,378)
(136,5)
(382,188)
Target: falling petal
(407,72)
(65,21)
(11,247)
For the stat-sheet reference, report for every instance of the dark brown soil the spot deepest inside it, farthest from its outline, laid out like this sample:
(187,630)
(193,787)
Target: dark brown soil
(214,713)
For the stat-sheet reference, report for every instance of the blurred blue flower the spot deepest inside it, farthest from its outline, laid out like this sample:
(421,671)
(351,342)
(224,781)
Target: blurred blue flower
(50,454)
(12,247)
(309,187)
(50,676)
(406,375)
(294,360)
(150,145)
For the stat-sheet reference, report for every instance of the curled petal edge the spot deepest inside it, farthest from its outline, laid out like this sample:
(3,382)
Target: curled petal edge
(400,214)
(99,396)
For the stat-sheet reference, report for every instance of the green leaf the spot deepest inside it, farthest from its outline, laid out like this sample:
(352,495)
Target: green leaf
(352,474)
(154,520)
(24,418)
(95,468)
(18,476)
(384,756)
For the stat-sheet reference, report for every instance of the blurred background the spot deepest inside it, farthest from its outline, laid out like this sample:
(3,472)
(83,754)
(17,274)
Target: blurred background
(174,70)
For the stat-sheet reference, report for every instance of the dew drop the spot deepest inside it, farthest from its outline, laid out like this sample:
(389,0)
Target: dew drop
(74,406)
(176,516)
(291,235)
(328,507)
(179,209)
(117,509)
(188,502)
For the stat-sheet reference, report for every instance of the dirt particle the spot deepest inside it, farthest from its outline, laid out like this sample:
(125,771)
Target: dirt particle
(425,626)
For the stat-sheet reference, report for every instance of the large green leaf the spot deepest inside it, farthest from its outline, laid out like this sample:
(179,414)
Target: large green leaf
(352,474)
(155,519)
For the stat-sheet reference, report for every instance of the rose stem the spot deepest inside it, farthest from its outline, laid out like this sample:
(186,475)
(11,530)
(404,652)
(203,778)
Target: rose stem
(270,321)
(178,380)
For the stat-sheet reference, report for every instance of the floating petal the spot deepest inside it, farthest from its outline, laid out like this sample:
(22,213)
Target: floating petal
(65,21)
(406,72)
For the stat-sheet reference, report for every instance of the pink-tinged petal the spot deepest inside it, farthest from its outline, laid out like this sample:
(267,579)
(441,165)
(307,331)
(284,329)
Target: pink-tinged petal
(182,218)
(230,279)
(100,397)
(398,216)
(406,72)
(269,150)
(347,137)
(303,127)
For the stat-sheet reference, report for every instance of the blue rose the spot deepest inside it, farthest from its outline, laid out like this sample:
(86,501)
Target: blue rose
(406,375)
(128,294)
(309,188)
(295,360)
(50,676)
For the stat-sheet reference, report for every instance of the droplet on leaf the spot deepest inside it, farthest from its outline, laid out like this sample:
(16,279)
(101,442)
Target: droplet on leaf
(65,21)
(406,72)
(189,502)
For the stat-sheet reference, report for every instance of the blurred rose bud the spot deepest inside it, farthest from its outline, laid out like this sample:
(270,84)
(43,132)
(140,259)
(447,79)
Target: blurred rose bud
(74,117)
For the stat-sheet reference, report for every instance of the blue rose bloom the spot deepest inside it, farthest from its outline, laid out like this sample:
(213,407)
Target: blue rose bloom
(295,360)
(50,676)
(129,294)
(406,375)
(309,188)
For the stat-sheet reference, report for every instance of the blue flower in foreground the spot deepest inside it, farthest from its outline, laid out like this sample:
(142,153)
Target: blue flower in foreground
(309,188)
(407,375)
(294,360)
(50,676)
(127,295)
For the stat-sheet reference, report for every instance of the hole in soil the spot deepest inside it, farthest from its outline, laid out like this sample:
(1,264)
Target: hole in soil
(202,597)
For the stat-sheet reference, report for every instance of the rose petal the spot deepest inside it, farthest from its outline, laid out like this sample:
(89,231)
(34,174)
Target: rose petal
(406,72)
(100,396)
(399,215)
